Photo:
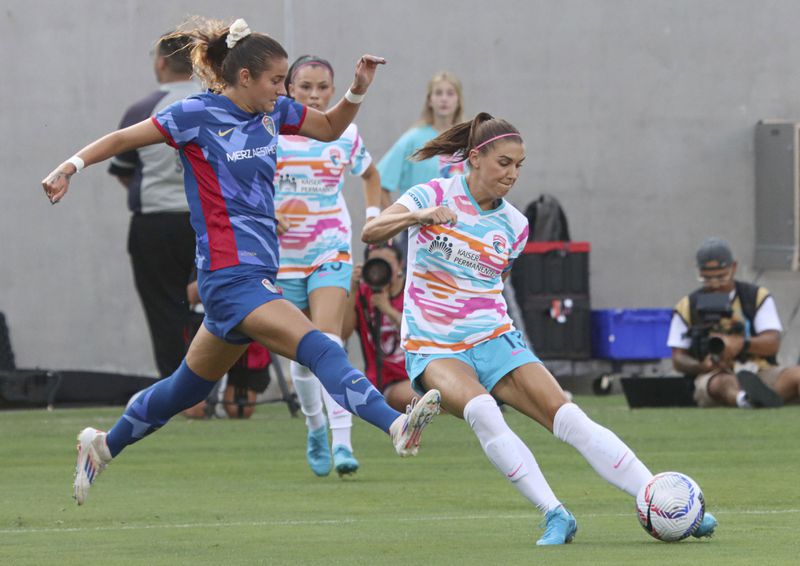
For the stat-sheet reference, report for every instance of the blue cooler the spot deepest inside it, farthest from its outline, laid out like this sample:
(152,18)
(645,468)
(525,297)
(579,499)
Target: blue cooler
(631,334)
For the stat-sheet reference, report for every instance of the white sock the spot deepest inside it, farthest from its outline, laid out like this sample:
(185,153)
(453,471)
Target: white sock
(607,454)
(339,419)
(741,401)
(308,389)
(508,453)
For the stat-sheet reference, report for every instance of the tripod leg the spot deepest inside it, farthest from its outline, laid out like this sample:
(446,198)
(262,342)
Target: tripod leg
(213,398)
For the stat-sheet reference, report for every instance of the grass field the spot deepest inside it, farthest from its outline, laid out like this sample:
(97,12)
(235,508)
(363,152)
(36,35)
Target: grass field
(239,492)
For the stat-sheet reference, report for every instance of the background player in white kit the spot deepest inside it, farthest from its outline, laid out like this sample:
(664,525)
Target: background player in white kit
(315,247)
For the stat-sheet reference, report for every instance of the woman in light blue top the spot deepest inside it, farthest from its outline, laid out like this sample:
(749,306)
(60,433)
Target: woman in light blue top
(444,104)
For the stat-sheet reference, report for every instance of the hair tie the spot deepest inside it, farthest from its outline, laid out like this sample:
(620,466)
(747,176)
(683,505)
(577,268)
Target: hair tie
(237,32)
(490,140)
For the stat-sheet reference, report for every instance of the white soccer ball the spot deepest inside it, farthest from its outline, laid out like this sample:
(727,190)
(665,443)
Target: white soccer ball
(670,506)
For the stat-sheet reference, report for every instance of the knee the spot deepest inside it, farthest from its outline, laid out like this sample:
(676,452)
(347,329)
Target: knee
(551,409)
(481,413)
(315,347)
(239,404)
(793,374)
(720,383)
(398,396)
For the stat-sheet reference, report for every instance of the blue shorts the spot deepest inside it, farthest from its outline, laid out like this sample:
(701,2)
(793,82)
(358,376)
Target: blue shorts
(492,360)
(230,294)
(331,274)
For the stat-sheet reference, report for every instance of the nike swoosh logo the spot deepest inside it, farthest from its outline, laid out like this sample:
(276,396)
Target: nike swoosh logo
(515,352)
(354,381)
(514,473)
(220,133)
(649,525)
(620,460)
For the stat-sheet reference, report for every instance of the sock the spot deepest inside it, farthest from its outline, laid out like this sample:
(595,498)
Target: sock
(349,387)
(741,401)
(154,406)
(508,453)
(308,389)
(339,420)
(607,454)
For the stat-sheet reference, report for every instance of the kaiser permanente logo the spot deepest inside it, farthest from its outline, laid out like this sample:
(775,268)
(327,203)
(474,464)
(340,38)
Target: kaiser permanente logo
(442,247)
(252,152)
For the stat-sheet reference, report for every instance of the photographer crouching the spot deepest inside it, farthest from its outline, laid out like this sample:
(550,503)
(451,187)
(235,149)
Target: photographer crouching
(375,311)
(726,335)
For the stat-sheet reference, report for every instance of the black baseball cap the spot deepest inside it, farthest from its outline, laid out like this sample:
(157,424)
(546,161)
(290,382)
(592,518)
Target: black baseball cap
(714,253)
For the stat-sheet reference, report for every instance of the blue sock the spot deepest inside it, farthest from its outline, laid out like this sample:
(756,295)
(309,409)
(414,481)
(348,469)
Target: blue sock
(156,405)
(348,386)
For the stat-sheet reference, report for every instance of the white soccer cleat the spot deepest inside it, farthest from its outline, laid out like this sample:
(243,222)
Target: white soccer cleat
(93,456)
(407,429)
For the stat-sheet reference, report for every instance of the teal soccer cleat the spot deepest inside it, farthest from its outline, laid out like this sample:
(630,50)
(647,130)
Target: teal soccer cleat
(560,527)
(343,460)
(706,527)
(318,453)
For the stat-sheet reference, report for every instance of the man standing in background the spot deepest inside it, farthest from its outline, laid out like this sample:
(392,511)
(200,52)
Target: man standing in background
(160,240)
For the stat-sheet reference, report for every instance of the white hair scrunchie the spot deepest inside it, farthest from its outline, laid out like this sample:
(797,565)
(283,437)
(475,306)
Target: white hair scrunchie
(237,32)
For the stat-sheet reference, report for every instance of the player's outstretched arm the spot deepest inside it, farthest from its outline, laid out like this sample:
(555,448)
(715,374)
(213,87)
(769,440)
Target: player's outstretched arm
(329,126)
(397,218)
(56,184)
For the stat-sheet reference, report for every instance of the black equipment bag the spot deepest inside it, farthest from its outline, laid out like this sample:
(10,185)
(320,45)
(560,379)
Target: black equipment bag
(546,220)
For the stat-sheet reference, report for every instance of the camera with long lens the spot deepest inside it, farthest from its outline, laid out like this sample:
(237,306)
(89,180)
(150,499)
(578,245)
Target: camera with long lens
(376,273)
(710,309)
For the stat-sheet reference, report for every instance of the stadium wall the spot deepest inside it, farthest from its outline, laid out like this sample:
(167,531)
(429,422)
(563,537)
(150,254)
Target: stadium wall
(638,116)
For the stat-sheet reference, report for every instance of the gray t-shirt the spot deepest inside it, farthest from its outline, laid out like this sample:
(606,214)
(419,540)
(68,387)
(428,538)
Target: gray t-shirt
(155,171)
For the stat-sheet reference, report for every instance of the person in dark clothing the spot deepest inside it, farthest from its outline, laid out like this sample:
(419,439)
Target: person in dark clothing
(161,241)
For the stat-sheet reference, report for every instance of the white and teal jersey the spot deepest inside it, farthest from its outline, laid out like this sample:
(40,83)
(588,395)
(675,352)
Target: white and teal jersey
(308,192)
(454,288)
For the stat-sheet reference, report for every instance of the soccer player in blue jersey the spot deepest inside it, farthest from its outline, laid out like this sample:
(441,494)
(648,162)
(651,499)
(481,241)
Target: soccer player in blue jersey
(227,140)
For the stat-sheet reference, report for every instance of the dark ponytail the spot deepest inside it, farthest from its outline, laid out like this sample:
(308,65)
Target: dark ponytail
(462,138)
(216,64)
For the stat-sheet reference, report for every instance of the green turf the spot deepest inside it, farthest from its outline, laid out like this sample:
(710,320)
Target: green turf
(239,492)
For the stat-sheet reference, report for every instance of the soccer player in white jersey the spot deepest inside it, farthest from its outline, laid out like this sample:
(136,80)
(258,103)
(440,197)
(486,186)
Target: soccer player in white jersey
(457,334)
(315,245)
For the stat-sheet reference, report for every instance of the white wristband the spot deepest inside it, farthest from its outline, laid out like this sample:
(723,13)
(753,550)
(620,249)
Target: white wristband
(353,98)
(77,162)
(373,211)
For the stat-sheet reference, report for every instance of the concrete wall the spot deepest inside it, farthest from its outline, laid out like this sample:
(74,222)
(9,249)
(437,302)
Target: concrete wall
(637,115)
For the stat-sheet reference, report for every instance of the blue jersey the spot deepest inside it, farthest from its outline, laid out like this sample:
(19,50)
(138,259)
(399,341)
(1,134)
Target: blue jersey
(229,165)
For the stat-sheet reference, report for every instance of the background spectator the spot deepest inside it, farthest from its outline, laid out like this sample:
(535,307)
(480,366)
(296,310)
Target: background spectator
(381,309)
(160,239)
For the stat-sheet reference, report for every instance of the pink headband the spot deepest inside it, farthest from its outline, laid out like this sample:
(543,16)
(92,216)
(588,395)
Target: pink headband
(490,140)
(311,63)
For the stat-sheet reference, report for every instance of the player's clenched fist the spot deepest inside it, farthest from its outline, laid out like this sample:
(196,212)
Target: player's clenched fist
(55,185)
(436,215)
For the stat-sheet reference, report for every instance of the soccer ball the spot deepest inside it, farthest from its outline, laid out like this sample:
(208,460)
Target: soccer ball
(670,506)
